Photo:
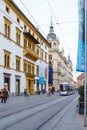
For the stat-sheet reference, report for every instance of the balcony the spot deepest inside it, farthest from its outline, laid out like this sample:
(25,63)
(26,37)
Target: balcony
(33,39)
(30,54)
(29,75)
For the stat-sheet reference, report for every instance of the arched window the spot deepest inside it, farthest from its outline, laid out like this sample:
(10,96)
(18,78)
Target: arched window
(54,44)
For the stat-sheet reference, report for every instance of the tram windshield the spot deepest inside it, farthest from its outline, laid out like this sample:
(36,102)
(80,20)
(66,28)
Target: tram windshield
(63,87)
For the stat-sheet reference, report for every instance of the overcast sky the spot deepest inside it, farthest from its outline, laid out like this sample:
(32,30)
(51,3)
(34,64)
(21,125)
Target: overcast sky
(64,14)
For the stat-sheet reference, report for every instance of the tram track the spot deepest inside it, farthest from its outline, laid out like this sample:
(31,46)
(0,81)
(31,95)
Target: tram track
(35,113)
(23,103)
(56,115)
(19,108)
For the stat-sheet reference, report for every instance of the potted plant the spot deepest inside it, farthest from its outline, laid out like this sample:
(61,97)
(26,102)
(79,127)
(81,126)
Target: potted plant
(81,99)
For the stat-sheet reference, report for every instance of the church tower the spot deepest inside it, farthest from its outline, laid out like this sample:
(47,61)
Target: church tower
(53,57)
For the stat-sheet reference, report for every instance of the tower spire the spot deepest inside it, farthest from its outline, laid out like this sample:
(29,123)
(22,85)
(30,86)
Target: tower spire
(51,31)
(51,26)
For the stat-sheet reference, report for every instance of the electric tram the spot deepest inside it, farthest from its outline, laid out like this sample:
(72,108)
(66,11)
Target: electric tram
(66,88)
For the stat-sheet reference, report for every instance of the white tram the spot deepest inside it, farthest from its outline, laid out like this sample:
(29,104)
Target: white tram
(66,88)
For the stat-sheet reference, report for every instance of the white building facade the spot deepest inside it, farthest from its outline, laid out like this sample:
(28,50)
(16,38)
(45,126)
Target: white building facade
(22,49)
(62,67)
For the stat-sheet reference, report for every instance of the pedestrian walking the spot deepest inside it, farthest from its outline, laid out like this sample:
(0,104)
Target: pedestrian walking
(49,90)
(38,91)
(43,91)
(5,95)
(25,92)
(1,95)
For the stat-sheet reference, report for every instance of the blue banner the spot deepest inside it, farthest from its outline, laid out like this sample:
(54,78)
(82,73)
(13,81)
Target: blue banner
(41,80)
(50,75)
(41,69)
(81,39)
(81,57)
(41,73)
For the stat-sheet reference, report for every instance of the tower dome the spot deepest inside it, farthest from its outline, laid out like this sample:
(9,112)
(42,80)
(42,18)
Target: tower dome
(51,33)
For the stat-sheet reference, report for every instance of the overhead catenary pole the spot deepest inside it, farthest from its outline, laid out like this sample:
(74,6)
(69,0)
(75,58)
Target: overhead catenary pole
(85,87)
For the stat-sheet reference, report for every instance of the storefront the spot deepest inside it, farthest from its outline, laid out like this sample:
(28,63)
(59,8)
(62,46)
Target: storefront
(30,84)
(7,81)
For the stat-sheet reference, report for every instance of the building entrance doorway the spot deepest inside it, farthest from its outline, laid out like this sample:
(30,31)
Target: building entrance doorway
(7,81)
(17,87)
(30,85)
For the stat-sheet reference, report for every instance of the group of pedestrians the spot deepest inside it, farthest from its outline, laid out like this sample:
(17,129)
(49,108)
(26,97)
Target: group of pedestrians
(3,95)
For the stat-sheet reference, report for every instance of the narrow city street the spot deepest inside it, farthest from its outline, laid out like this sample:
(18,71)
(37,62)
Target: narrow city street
(37,112)
(43,82)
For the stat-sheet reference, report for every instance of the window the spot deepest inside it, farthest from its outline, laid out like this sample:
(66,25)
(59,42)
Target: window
(45,57)
(28,67)
(41,43)
(41,55)
(37,39)
(6,59)
(50,57)
(7,9)
(33,47)
(18,20)
(25,27)
(29,31)
(17,63)
(7,26)
(18,35)
(55,44)
(50,44)
(29,44)
(37,50)
(33,35)
(25,66)
(25,42)
(32,69)
(37,70)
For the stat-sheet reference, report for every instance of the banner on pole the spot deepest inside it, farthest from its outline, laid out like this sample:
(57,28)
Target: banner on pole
(50,81)
(41,80)
(81,39)
(41,73)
